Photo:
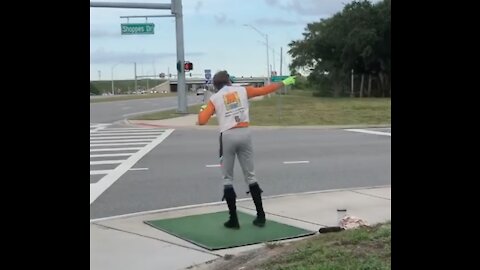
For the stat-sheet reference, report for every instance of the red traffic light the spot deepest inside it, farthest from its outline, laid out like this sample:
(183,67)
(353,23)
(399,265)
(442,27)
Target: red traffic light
(188,66)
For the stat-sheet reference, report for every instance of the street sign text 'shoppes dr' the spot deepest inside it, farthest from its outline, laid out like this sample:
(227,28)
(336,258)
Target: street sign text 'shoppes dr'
(137,28)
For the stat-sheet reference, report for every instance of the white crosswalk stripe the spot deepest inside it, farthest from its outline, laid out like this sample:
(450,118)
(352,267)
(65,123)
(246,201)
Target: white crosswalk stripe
(113,151)
(382,132)
(97,127)
(103,162)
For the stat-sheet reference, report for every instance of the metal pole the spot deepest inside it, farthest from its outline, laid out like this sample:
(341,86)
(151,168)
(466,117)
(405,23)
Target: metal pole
(154,70)
(113,91)
(273,56)
(281,58)
(130,5)
(135,71)
(146,16)
(268,62)
(181,85)
(281,102)
(112,79)
(266,43)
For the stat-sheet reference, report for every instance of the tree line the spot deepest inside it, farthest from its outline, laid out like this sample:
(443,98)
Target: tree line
(355,41)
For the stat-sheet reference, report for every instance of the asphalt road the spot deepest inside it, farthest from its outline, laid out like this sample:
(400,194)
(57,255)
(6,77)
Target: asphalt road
(180,170)
(109,112)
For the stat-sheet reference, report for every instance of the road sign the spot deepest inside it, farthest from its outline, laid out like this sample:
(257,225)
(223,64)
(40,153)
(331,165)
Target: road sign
(279,78)
(208,74)
(137,28)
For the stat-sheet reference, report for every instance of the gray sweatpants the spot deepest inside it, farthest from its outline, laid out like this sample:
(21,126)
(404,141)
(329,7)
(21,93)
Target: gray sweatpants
(237,142)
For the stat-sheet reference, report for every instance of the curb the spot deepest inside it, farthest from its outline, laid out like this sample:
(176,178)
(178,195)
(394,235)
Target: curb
(146,123)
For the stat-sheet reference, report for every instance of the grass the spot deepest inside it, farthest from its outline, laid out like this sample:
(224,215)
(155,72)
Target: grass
(129,97)
(299,108)
(362,248)
(125,85)
(303,110)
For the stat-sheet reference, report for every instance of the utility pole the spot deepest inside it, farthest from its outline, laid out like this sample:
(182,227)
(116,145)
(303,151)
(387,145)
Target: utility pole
(135,71)
(274,69)
(266,43)
(281,59)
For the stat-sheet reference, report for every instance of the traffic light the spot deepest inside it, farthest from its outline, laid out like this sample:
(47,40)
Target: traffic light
(188,66)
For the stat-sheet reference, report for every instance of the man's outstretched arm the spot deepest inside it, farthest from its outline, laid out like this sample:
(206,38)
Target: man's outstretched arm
(206,111)
(260,91)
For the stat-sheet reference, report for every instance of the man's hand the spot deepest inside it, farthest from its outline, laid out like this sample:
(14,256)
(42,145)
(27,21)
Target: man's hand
(288,81)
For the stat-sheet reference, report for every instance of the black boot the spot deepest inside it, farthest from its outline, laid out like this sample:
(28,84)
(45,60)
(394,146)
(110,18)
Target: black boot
(230,197)
(255,191)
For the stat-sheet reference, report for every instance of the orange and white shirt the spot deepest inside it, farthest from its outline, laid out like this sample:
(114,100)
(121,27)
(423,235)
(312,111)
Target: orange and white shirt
(231,105)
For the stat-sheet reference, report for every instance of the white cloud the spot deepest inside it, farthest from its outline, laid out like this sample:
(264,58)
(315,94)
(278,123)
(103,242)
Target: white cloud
(311,7)
(198,6)
(272,2)
(222,19)
(314,7)
(103,34)
(278,22)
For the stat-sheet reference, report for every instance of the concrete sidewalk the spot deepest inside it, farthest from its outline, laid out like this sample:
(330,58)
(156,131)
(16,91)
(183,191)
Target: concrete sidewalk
(125,242)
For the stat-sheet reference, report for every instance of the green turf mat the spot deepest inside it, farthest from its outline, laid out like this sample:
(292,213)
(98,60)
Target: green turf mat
(207,230)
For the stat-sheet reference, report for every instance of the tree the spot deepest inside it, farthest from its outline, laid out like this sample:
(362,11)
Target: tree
(356,38)
(94,89)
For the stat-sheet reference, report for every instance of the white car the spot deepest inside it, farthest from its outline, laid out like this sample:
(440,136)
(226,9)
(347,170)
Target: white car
(201,91)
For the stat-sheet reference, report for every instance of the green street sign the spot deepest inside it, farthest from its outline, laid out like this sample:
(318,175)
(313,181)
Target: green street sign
(278,78)
(137,28)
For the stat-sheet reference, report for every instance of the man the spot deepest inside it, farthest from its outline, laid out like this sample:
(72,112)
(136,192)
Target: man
(230,104)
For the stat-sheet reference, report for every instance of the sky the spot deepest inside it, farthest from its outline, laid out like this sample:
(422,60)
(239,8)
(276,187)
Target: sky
(218,35)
